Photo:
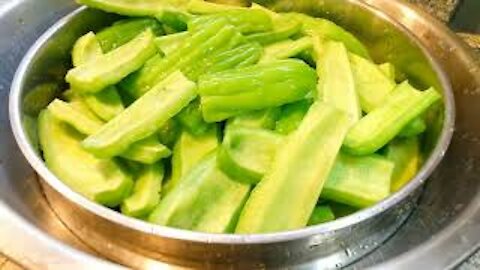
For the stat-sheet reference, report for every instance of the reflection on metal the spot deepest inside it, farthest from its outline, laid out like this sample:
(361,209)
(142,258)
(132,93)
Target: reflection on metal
(438,209)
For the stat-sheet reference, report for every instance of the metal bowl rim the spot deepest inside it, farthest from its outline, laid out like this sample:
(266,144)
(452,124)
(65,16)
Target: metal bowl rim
(327,228)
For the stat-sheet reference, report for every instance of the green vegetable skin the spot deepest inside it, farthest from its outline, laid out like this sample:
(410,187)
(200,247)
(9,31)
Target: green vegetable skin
(170,43)
(146,192)
(188,151)
(212,36)
(279,202)
(112,67)
(133,8)
(146,151)
(106,103)
(359,181)
(405,154)
(247,21)
(377,128)
(123,31)
(335,84)
(39,97)
(101,180)
(144,117)
(205,200)
(286,49)
(321,214)
(247,152)
(232,92)
(191,119)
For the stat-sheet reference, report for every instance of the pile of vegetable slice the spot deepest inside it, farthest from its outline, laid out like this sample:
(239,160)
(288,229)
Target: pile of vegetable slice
(229,119)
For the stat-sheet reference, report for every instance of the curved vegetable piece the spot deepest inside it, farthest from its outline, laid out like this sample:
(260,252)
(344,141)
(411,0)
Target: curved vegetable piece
(134,8)
(146,192)
(106,103)
(286,49)
(235,91)
(359,181)
(169,133)
(283,28)
(100,180)
(245,20)
(86,49)
(125,30)
(205,200)
(112,67)
(371,84)
(246,153)
(326,30)
(278,202)
(414,128)
(264,119)
(321,214)
(174,19)
(405,154)
(146,151)
(192,50)
(336,85)
(388,70)
(188,151)
(291,116)
(170,43)
(242,56)
(377,128)
(143,118)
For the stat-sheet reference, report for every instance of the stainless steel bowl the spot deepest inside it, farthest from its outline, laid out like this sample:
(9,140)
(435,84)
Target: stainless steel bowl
(135,243)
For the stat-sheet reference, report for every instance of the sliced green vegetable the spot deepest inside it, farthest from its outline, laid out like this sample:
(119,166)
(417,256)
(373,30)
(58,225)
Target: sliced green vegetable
(283,28)
(236,91)
(146,151)
(106,103)
(342,210)
(39,97)
(414,128)
(389,70)
(405,154)
(30,125)
(86,49)
(377,128)
(101,180)
(112,67)
(286,49)
(146,192)
(170,43)
(291,116)
(264,119)
(188,151)
(359,181)
(191,119)
(169,133)
(321,214)
(200,43)
(371,84)
(205,200)
(143,118)
(134,8)
(325,30)
(125,30)
(245,20)
(279,202)
(247,153)
(175,19)
(336,84)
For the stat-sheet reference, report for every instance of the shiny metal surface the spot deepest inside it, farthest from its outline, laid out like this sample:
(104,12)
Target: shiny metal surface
(120,238)
(426,221)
